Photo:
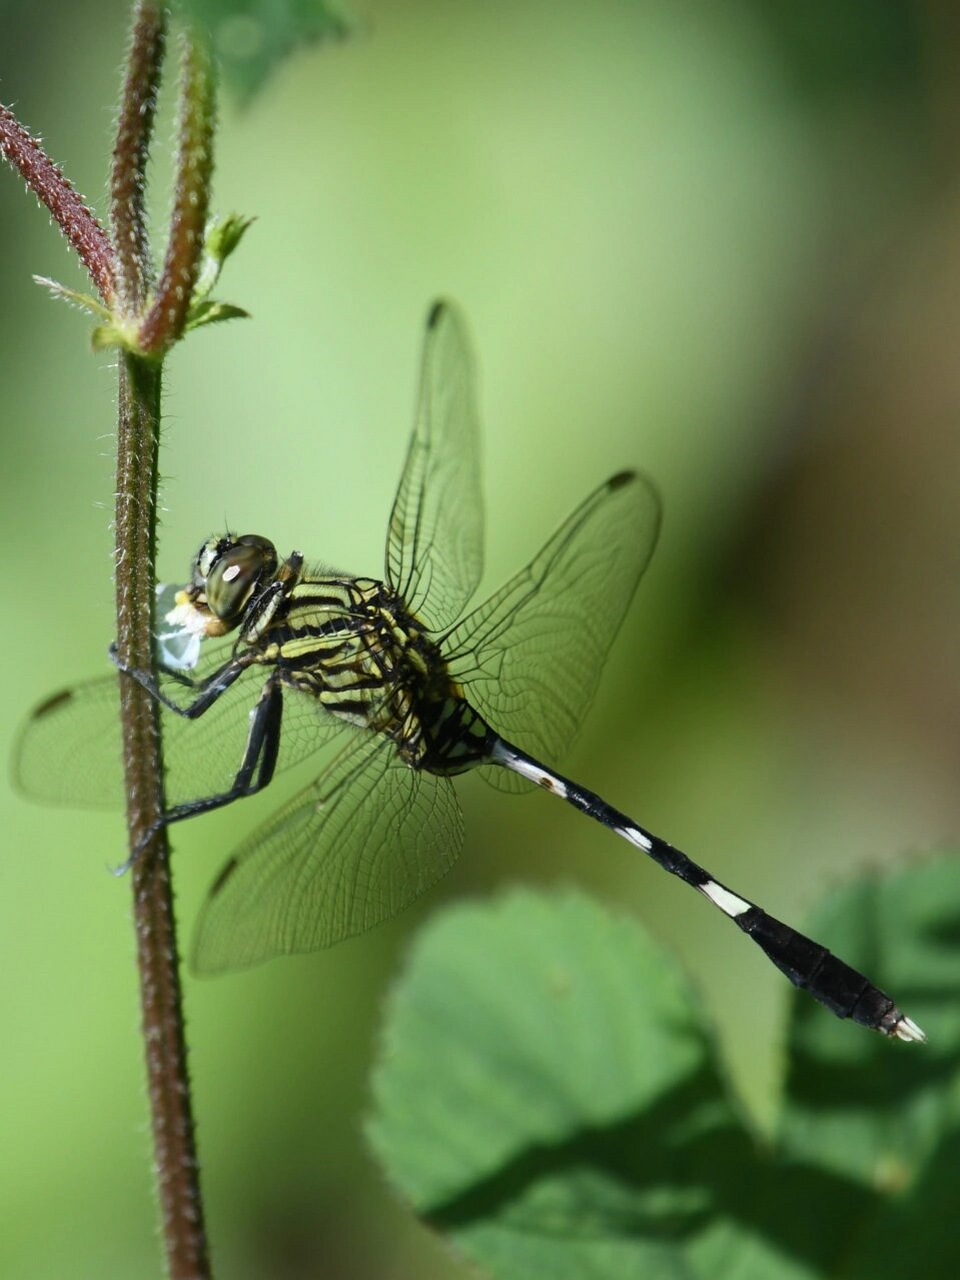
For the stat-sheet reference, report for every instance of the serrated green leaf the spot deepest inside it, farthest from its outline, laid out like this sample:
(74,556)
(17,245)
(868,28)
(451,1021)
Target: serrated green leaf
(213,312)
(252,37)
(547,1095)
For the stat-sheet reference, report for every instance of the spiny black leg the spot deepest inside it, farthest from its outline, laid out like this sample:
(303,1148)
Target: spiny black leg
(256,768)
(207,691)
(174,673)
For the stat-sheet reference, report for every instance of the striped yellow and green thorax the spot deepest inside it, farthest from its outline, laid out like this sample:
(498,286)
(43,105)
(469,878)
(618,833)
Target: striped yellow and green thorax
(352,644)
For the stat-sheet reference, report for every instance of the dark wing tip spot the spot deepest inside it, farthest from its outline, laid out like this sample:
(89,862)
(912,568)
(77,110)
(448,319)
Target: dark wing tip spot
(51,703)
(229,867)
(436,311)
(620,479)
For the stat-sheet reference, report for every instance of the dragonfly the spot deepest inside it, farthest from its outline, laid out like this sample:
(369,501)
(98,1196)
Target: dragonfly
(280,657)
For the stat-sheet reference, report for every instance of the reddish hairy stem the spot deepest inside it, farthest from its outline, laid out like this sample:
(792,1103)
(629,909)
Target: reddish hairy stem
(128,181)
(137,447)
(163,323)
(168,1082)
(72,216)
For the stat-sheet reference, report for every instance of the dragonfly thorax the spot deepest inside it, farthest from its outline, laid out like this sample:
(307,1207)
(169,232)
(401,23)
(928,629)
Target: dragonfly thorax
(353,644)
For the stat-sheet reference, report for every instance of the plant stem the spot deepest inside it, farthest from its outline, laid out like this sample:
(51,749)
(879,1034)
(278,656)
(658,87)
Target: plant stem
(168,1081)
(125,267)
(163,322)
(128,176)
(72,216)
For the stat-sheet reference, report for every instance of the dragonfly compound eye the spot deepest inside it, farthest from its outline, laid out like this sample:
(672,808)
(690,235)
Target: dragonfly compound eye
(236,572)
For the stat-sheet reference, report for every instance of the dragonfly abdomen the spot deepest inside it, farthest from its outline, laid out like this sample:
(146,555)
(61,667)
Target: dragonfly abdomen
(447,737)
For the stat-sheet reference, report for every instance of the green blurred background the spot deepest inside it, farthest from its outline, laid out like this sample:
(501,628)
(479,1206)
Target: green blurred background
(718,242)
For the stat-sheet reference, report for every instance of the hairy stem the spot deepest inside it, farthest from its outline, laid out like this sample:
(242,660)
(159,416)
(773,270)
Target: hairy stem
(77,222)
(128,176)
(163,1026)
(163,324)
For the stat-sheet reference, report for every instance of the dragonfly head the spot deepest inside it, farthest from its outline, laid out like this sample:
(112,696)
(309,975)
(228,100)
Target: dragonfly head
(227,571)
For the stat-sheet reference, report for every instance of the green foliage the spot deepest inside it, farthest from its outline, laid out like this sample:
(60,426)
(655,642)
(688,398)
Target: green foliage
(252,36)
(85,301)
(213,313)
(221,238)
(549,1095)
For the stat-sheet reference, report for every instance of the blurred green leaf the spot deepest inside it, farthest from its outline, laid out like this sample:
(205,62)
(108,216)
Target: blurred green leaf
(500,1010)
(873,1114)
(252,36)
(548,1095)
(889,1120)
(105,336)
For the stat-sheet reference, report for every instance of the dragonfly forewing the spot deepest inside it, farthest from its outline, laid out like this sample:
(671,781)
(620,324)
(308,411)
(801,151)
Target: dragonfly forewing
(434,555)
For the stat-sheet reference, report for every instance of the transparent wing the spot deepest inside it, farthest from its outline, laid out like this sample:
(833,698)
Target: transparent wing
(68,750)
(529,658)
(434,554)
(355,848)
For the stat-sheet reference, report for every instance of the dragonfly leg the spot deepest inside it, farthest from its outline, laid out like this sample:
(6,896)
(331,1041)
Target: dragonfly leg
(806,963)
(256,768)
(206,691)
